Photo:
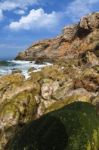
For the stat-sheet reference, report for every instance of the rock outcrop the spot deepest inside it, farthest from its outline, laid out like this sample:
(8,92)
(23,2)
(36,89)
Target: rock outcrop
(23,100)
(75,78)
(74,40)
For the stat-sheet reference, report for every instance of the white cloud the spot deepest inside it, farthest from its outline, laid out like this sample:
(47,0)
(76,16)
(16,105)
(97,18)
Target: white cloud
(79,8)
(8,5)
(1,15)
(19,12)
(12,4)
(36,19)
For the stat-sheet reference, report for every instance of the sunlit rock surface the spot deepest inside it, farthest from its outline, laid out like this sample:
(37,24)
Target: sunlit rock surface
(70,79)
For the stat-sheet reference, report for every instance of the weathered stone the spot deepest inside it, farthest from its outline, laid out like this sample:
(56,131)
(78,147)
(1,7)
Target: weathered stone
(80,94)
(74,40)
(89,80)
(90,22)
(48,89)
(69,32)
(9,116)
(73,77)
(61,92)
(90,58)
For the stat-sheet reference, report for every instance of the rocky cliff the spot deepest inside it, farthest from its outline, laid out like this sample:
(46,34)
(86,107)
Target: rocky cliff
(69,87)
(74,40)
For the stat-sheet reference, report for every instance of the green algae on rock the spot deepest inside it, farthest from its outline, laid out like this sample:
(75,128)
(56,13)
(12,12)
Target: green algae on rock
(73,127)
(15,113)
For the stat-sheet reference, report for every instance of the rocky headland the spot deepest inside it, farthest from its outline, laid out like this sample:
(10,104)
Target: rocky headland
(74,40)
(56,108)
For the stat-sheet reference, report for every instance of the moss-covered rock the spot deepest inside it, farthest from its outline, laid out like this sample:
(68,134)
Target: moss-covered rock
(16,78)
(36,76)
(73,127)
(55,73)
(82,96)
(19,110)
(9,115)
(25,104)
(62,91)
(9,85)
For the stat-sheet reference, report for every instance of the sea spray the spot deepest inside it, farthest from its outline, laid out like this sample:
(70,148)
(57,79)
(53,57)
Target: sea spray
(6,67)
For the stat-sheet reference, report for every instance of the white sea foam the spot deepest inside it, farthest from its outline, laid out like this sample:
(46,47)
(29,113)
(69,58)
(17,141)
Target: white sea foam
(21,65)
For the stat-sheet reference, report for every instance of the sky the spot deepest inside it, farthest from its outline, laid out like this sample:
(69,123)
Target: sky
(23,22)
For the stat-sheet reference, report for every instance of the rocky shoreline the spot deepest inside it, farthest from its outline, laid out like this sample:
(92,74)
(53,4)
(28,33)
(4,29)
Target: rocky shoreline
(70,88)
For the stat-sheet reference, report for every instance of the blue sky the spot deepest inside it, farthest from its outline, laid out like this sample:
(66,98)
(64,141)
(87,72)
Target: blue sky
(24,21)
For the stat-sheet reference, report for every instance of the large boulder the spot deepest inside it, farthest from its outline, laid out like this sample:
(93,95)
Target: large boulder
(74,127)
(90,22)
(15,113)
(17,104)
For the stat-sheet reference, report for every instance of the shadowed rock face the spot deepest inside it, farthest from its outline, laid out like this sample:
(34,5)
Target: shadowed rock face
(74,127)
(75,39)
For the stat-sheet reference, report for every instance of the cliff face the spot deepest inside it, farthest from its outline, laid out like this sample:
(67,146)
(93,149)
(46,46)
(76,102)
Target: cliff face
(74,40)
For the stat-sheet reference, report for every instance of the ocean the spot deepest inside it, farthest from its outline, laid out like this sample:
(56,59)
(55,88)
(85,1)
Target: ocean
(6,67)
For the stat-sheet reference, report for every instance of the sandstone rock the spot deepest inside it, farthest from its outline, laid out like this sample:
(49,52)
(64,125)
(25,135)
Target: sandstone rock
(9,116)
(90,22)
(40,110)
(61,92)
(74,76)
(14,114)
(72,96)
(80,94)
(48,89)
(8,84)
(89,80)
(69,32)
(90,58)
(74,40)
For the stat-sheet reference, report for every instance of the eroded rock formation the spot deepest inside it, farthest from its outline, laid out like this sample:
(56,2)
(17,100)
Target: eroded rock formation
(75,78)
(75,39)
